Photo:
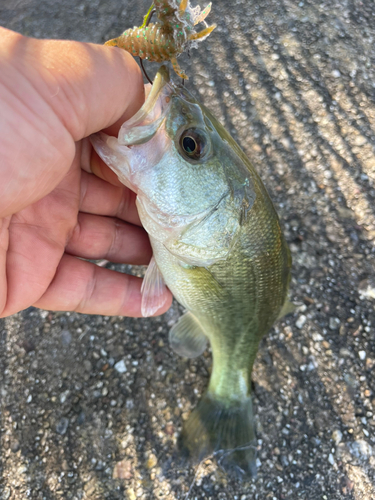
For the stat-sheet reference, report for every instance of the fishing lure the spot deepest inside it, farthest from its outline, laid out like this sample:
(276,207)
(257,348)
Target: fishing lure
(168,38)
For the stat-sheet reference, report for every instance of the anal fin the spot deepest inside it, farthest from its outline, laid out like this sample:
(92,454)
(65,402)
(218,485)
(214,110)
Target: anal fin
(153,290)
(187,338)
(287,308)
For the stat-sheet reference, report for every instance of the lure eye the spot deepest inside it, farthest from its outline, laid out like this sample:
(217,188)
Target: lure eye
(194,144)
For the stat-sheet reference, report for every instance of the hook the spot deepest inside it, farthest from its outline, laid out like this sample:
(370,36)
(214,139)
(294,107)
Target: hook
(146,22)
(144,71)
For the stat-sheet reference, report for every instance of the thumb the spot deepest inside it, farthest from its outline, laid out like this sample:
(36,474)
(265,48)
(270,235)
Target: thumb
(52,94)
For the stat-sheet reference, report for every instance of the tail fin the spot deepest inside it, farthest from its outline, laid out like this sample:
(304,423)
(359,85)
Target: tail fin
(226,431)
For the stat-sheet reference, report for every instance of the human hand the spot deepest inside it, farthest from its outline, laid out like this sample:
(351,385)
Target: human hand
(53,210)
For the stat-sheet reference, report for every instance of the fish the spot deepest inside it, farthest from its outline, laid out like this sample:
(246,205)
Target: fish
(217,245)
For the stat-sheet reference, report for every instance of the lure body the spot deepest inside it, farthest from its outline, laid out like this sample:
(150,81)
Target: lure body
(168,38)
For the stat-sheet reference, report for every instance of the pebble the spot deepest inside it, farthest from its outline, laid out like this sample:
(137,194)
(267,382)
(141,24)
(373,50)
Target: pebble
(301,321)
(360,140)
(123,470)
(360,449)
(15,446)
(362,355)
(317,337)
(130,494)
(62,426)
(120,366)
(152,461)
(336,73)
(63,396)
(367,289)
(344,353)
(337,436)
(87,365)
(331,460)
(6,494)
(334,323)
(66,337)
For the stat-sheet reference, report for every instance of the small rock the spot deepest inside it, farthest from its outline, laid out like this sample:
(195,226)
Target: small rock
(6,494)
(367,289)
(362,355)
(28,345)
(87,365)
(284,460)
(120,366)
(100,465)
(152,461)
(334,323)
(123,470)
(62,426)
(14,445)
(66,337)
(359,140)
(81,418)
(336,73)
(360,449)
(317,337)
(301,321)
(337,436)
(313,364)
(130,495)
(21,470)
(331,460)
(344,353)
(63,396)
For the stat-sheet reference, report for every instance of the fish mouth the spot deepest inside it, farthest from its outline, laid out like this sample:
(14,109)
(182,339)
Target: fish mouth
(147,121)
(161,79)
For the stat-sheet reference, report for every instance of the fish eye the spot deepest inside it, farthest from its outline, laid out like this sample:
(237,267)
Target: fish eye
(194,144)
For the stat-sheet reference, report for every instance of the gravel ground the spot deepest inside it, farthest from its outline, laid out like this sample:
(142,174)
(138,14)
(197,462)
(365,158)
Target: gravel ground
(91,406)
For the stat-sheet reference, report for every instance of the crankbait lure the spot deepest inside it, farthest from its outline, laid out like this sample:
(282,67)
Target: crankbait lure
(168,38)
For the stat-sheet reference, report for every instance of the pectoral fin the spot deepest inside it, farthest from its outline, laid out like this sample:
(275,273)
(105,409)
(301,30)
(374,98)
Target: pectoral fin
(153,290)
(187,338)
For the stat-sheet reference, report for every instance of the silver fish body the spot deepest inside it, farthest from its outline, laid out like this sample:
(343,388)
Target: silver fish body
(218,246)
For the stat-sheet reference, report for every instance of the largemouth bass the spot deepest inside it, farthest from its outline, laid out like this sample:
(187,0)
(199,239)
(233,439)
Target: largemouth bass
(218,246)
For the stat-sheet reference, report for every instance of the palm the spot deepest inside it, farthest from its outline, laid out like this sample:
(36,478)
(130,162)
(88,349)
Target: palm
(38,235)
(87,217)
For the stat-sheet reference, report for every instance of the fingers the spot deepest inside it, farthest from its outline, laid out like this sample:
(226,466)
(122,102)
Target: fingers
(86,288)
(102,198)
(98,86)
(31,262)
(97,237)
(100,169)
(52,94)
